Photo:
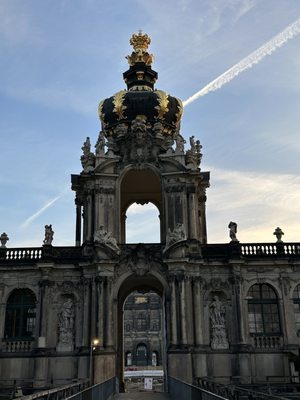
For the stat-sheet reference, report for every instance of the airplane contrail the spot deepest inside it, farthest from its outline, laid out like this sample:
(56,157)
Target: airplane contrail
(266,49)
(40,211)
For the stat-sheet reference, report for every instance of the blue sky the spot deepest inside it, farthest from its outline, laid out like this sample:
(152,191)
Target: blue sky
(60,58)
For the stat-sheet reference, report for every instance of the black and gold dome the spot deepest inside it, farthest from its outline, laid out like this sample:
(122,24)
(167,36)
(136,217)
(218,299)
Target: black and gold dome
(141,99)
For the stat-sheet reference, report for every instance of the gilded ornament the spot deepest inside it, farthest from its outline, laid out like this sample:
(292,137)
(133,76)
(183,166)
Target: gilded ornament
(140,42)
(100,112)
(163,103)
(119,107)
(179,110)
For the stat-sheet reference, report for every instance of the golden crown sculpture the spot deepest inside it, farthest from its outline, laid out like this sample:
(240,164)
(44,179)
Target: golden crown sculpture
(140,42)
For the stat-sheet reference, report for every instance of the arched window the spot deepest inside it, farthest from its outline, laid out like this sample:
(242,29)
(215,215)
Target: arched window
(263,310)
(20,315)
(296,300)
(141,354)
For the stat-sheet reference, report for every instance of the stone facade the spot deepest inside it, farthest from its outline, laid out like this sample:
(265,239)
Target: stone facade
(228,310)
(143,330)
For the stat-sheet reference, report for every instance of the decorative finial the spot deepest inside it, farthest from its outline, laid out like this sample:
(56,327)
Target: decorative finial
(278,233)
(4,238)
(140,42)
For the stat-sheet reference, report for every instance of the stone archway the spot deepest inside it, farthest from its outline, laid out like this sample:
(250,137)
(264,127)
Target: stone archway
(128,284)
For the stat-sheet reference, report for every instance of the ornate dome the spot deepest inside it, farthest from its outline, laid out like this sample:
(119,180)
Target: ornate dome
(140,100)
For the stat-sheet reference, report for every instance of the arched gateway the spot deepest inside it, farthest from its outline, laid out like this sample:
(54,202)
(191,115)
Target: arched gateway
(140,158)
(230,312)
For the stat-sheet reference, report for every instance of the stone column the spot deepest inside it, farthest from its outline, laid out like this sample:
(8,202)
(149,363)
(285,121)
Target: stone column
(192,214)
(85,312)
(189,315)
(183,310)
(198,311)
(174,334)
(101,310)
(89,217)
(78,224)
(288,316)
(109,312)
(93,309)
(2,310)
(201,205)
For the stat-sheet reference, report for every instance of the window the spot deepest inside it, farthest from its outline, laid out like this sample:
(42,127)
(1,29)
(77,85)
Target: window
(20,315)
(263,311)
(141,323)
(296,300)
(141,354)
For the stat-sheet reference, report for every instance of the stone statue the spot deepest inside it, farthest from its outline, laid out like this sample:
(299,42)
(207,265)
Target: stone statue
(66,319)
(140,141)
(278,233)
(179,144)
(48,235)
(176,235)
(193,155)
(100,144)
(139,129)
(88,158)
(158,130)
(217,312)
(217,321)
(120,130)
(104,237)
(232,231)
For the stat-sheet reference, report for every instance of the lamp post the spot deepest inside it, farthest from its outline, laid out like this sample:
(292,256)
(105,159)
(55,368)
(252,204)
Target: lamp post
(94,343)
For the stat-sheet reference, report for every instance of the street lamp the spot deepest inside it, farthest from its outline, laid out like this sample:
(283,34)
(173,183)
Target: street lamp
(94,343)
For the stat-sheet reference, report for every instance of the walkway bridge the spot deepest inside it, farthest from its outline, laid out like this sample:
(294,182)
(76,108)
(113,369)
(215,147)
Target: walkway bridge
(208,389)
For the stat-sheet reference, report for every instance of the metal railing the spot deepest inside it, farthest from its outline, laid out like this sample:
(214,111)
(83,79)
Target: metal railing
(100,391)
(180,390)
(235,392)
(57,393)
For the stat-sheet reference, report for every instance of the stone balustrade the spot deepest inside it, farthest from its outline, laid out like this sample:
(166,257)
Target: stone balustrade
(267,342)
(17,346)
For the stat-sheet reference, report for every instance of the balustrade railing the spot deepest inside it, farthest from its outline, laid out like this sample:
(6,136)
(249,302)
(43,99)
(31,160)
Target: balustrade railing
(219,251)
(270,249)
(17,346)
(267,342)
(34,253)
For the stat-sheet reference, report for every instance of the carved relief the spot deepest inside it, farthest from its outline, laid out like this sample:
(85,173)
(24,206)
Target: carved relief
(217,314)
(140,261)
(66,320)
(106,238)
(178,234)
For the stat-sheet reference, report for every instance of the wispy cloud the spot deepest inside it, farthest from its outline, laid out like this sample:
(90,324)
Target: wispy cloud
(17,26)
(258,202)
